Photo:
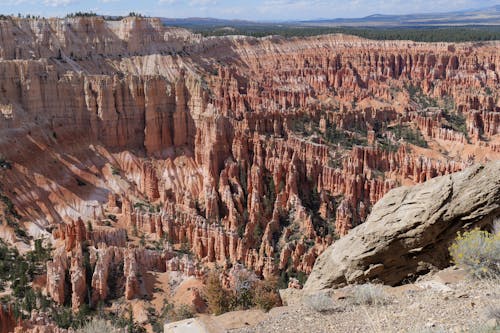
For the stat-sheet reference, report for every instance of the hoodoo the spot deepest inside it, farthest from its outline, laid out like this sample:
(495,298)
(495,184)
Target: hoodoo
(138,159)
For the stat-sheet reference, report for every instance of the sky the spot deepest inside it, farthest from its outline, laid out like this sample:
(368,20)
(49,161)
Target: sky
(264,10)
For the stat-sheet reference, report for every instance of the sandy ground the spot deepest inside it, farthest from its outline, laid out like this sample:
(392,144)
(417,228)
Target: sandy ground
(447,301)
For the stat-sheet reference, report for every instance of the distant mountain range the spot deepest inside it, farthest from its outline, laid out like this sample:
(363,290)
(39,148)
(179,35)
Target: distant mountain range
(484,16)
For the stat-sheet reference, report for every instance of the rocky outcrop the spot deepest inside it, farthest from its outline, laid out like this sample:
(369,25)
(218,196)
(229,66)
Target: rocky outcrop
(410,229)
(77,275)
(56,276)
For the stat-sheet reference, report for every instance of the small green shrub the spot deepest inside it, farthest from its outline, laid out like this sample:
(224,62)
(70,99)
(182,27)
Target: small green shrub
(478,252)
(218,299)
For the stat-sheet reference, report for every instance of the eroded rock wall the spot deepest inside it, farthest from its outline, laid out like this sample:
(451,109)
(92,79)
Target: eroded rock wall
(236,149)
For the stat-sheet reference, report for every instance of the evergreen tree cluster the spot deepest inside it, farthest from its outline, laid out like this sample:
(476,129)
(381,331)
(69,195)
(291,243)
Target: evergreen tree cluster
(421,34)
(81,14)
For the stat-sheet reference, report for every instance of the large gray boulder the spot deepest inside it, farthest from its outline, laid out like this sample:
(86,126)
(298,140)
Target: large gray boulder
(410,229)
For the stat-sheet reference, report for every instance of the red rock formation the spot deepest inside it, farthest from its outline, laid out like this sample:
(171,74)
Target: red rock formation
(7,319)
(56,276)
(78,281)
(239,150)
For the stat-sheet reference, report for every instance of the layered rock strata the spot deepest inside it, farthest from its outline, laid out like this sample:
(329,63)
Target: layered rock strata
(236,149)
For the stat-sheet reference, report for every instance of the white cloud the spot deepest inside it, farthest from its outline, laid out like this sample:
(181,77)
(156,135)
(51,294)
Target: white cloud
(253,9)
(15,2)
(58,3)
(191,3)
(202,2)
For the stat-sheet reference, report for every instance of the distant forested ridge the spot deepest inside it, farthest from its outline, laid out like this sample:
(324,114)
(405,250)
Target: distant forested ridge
(427,34)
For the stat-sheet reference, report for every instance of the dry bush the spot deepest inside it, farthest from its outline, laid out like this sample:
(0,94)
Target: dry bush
(478,252)
(265,294)
(247,292)
(492,311)
(428,330)
(370,294)
(242,286)
(320,302)
(99,326)
(482,328)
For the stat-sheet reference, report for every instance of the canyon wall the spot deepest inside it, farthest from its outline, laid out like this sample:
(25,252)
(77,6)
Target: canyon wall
(233,149)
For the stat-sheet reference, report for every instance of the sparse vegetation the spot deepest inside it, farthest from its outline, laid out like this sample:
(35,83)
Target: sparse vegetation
(97,325)
(147,207)
(370,294)
(456,121)
(169,313)
(478,252)
(482,328)
(265,295)
(185,248)
(248,292)
(81,14)
(418,96)
(493,312)
(320,302)
(257,233)
(181,312)
(134,14)
(306,126)
(113,18)
(218,299)
(11,217)
(114,170)
(18,271)
(112,217)
(335,136)
(9,206)
(388,145)
(409,135)
(290,273)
